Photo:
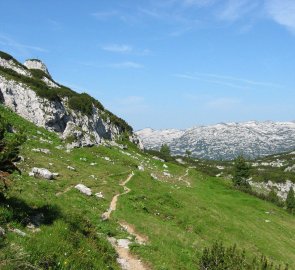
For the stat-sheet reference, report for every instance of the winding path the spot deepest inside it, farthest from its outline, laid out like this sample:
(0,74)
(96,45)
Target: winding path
(126,259)
(181,178)
(113,206)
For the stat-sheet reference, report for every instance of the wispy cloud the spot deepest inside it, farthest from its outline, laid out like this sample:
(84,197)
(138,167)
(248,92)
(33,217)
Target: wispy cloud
(226,80)
(118,48)
(235,9)
(128,64)
(282,12)
(24,49)
(124,49)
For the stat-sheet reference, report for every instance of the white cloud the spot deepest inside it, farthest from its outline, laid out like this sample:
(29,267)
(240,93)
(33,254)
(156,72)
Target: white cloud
(124,48)
(127,64)
(282,11)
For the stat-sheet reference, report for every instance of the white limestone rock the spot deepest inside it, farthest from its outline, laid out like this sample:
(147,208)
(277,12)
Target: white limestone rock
(71,168)
(41,150)
(140,168)
(42,173)
(290,169)
(83,189)
(99,195)
(11,64)
(36,64)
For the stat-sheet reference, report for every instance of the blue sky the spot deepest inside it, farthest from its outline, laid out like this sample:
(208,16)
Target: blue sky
(168,63)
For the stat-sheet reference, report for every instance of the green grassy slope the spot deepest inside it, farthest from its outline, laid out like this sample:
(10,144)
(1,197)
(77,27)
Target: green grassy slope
(179,220)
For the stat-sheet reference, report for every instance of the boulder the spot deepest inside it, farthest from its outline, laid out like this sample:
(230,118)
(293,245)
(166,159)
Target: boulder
(83,189)
(99,195)
(141,168)
(71,168)
(42,173)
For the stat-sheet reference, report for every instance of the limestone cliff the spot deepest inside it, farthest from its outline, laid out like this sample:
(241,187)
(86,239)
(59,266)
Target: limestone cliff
(30,91)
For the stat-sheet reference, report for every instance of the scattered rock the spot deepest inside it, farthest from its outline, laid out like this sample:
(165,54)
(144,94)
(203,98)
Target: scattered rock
(83,189)
(165,166)
(19,232)
(71,168)
(157,158)
(290,169)
(107,158)
(93,164)
(83,159)
(41,150)
(45,141)
(167,174)
(141,168)
(42,173)
(2,232)
(99,195)
(123,243)
(154,176)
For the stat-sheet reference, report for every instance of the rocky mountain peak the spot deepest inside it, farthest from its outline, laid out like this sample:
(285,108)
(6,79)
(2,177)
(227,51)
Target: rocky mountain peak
(36,64)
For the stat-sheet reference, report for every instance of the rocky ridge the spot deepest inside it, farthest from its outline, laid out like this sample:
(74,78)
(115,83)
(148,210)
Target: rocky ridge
(30,91)
(226,140)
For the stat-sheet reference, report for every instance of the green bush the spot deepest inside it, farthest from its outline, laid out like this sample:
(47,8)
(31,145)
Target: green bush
(290,201)
(241,173)
(6,56)
(219,257)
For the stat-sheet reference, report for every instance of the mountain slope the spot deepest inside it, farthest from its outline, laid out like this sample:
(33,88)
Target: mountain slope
(225,141)
(30,91)
(179,214)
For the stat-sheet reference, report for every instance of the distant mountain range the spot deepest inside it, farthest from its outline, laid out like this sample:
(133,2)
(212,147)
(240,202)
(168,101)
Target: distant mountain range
(226,140)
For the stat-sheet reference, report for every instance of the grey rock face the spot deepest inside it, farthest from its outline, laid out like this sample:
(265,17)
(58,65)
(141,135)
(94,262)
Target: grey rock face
(81,130)
(36,64)
(56,116)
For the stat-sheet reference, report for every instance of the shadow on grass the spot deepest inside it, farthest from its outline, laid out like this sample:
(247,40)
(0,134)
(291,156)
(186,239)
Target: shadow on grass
(17,210)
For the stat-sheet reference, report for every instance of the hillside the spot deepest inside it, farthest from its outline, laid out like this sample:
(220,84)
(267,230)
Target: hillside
(171,212)
(225,141)
(81,120)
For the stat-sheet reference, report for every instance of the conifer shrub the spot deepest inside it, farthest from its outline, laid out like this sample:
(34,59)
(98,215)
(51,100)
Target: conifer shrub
(290,201)
(9,151)
(241,173)
(218,257)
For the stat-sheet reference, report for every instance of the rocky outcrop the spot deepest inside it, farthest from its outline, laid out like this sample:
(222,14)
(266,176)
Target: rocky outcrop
(76,128)
(36,64)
